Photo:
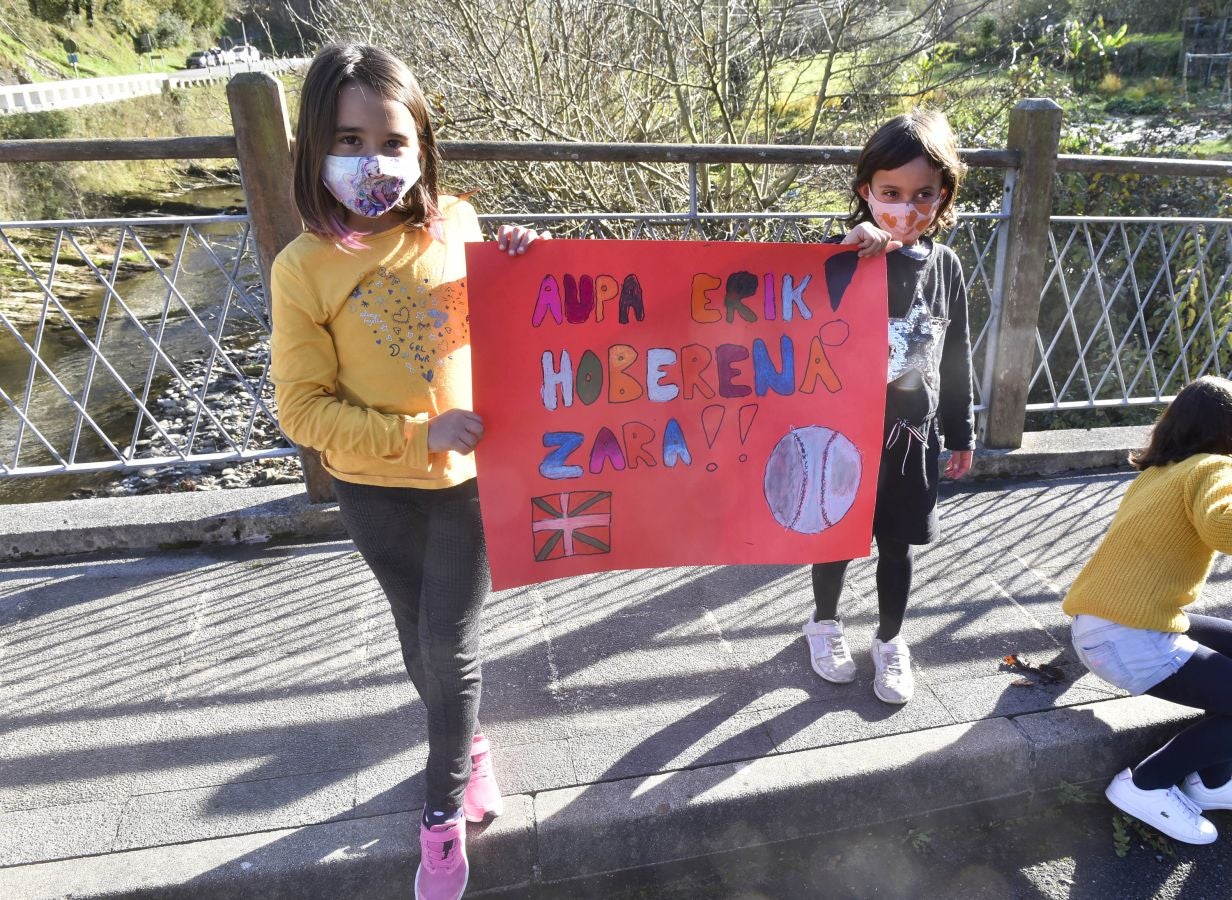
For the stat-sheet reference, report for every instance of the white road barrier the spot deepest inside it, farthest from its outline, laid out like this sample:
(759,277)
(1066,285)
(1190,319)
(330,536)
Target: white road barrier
(46,95)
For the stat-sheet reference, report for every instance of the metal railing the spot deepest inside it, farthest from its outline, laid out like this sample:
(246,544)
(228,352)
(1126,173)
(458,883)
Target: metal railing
(1065,313)
(135,343)
(1133,310)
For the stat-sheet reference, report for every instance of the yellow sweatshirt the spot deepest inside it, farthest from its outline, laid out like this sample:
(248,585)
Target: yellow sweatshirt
(1158,551)
(367,340)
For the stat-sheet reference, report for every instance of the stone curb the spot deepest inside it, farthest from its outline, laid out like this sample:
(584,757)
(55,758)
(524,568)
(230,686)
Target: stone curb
(164,521)
(570,833)
(282,512)
(371,858)
(1056,452)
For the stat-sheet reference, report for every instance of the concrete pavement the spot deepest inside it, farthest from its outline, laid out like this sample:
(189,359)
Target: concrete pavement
(234,721)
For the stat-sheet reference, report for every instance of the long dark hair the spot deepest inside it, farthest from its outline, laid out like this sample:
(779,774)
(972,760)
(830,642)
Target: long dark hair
(1199,420)
(899,141)
(335,66)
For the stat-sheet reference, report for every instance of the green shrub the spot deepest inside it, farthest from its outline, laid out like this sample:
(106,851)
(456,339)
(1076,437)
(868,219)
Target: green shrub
(30,126)
(945,51)
(55,11)
(1128,106)
(207,13)
(983,42)
(170,30)
(202,37)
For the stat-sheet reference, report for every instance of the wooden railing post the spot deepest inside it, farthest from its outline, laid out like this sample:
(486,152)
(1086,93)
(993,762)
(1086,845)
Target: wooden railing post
(263,147)
(1035,131)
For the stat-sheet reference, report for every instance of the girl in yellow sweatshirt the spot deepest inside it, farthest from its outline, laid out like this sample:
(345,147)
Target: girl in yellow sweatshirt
(1130,627)
(371,364)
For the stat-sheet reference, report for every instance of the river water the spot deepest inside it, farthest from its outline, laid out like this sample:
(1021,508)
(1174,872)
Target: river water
(203,287)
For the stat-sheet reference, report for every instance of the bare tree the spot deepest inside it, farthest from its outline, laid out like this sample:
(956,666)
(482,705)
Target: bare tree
(663,71)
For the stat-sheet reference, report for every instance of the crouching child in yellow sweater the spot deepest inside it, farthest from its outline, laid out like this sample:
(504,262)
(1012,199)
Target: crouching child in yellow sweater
(1130,627)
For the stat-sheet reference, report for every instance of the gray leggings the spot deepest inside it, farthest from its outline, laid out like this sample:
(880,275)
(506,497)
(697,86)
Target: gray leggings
(426,549)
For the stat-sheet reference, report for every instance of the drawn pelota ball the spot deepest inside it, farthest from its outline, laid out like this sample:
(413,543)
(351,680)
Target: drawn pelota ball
(812,477)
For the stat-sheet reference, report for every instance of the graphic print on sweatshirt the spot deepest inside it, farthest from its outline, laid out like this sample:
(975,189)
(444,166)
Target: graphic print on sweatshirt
(419,323)
(915,347)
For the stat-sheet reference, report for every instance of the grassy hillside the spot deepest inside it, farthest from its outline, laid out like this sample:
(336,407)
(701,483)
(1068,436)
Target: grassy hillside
(34,49)
(81,189)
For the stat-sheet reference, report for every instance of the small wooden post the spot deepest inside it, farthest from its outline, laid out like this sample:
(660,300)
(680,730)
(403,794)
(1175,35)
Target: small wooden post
(263,145)
(1035,130)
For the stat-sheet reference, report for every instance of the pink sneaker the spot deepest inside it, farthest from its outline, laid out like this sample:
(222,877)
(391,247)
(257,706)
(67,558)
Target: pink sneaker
(443,869)
(483,796)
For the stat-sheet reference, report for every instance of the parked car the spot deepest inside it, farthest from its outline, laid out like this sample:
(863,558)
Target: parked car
(199,59)
(246,53)
(224,57)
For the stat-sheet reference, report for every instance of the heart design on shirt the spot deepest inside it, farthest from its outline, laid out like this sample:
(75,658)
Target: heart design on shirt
(437,326)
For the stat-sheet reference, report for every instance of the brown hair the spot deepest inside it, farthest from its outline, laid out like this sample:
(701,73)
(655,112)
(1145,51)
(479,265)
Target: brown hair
(898,142)
(1199,420)
(335,66)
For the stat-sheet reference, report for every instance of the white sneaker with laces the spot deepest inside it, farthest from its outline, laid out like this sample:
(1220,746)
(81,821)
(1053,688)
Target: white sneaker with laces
(1204,797)
(828,650)
(1167,809)
(893,682)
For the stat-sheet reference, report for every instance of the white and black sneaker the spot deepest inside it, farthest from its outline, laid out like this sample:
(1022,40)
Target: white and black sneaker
(1167,809)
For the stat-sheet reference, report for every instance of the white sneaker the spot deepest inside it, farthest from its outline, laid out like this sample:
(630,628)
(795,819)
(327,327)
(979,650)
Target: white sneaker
(893,682)
(828,650)
(1166,809)
(1207,798)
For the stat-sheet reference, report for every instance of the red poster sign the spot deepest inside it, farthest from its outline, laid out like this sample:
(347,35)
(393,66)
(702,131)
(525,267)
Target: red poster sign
(665,403)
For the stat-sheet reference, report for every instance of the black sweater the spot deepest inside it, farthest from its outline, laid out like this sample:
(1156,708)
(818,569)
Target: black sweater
(929,275)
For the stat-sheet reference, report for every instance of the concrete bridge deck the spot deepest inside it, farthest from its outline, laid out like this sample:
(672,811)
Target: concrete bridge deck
(234,721)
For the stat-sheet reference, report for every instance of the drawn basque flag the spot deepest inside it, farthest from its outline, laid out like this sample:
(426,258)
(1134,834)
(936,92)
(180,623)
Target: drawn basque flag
(577,523)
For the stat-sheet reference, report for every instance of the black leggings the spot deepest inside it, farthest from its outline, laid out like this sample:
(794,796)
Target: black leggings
(1206,746)
(426,549)
(893,584)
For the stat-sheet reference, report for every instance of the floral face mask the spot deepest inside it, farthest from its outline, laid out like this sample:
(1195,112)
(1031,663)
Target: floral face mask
(904,221)
(370,185)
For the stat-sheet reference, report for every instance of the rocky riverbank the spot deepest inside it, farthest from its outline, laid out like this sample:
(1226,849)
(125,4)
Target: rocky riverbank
(175,406)
(23,293)
(229,397)
(200,477)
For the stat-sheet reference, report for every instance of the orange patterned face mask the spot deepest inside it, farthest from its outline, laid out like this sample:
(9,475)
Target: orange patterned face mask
(904,221)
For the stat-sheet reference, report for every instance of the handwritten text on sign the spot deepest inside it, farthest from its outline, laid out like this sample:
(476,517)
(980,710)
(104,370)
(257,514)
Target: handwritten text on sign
(662,403)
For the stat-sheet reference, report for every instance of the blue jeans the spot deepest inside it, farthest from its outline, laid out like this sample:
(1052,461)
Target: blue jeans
(427,551)
(1132,659)
(1201,682)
